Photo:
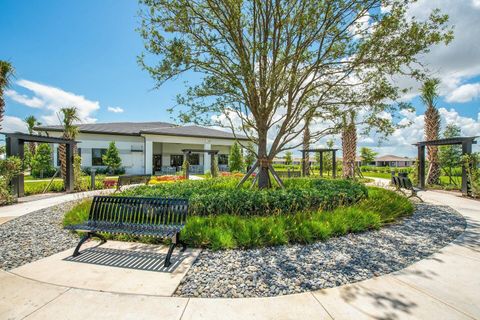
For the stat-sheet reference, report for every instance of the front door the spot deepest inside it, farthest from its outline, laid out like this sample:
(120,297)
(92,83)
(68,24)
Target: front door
(176,160)
(157,162)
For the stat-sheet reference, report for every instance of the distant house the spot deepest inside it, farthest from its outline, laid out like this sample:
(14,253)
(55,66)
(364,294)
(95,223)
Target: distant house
(393,161)
(148,147)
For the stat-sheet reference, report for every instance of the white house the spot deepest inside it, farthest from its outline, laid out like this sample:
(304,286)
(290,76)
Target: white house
(148,147)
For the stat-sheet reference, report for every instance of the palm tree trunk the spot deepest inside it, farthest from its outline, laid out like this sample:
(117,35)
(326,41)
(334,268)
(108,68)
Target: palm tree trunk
(62,150)
(2,108)
(432,130)
(349,147)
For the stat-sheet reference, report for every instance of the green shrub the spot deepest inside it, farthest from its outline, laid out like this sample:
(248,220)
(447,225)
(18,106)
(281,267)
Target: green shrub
(220,196)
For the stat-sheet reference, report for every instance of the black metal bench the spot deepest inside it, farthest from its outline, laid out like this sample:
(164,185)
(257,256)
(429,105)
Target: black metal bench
(152,217)
(404,182)
(132,179)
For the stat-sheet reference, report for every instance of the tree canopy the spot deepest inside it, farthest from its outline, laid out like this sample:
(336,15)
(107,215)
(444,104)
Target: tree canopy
(266,65)
(111,158)
(367,154)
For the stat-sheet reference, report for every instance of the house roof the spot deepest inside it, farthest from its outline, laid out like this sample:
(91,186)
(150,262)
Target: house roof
(138,128)
(391,157)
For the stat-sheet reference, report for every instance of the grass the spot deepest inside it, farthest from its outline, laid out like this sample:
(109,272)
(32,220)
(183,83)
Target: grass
(227,231)
(36,186)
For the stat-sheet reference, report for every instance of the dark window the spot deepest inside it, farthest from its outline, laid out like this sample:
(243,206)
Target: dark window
(223,159)
(79,151)
(176,160)
(194,159)
(97,156)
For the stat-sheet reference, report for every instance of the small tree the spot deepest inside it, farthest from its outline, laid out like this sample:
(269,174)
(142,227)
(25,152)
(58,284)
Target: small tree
(41,162)
(111,158)
(9,168)
(235,160)
(450,156)
(288,157)
(368,155)
(328,158)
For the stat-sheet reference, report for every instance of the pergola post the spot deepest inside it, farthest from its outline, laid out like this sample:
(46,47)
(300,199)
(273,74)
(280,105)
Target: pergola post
(421,166)
(69,184)
(321,163)
(15,147)
(334,164)
(466,149)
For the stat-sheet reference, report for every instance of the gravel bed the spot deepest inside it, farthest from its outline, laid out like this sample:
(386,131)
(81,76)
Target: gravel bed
(34,236)
(291,269)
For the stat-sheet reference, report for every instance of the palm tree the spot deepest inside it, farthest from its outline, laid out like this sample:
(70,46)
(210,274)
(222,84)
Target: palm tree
(31,122)
(70,131)
(349,145)
(6,73)
(429,96)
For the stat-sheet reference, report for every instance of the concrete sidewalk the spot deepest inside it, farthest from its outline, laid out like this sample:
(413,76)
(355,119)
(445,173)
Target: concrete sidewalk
(443,286)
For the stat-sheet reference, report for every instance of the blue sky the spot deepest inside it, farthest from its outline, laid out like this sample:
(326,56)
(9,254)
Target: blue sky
(84,53)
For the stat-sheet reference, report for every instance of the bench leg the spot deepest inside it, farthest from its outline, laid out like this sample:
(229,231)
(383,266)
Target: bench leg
(169,255)
(77,249)
(415,195)
(85,238)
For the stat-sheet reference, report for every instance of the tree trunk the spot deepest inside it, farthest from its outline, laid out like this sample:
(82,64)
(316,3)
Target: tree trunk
(432,130)
(2,108)
(62,150)
(263,172)
(306,146)
(349,147)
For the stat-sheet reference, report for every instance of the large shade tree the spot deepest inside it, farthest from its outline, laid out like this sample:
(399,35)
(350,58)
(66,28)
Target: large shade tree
(6,73)
(267,64)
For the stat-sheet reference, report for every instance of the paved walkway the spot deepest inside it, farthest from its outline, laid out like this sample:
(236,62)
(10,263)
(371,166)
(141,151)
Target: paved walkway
(444,286)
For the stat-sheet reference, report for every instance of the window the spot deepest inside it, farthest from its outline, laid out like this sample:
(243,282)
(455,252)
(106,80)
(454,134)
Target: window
(194,159)
(176,160)
(97,156)
(223,159)
(58,157)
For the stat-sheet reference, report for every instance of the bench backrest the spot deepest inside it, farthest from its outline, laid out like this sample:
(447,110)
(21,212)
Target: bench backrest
(396,181)
(406,183)
(138,210)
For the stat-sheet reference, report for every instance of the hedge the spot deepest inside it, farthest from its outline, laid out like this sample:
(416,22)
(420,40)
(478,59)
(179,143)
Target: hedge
(220,196)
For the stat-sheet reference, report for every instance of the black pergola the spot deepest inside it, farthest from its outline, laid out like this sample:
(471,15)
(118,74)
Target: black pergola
(212,153)
(320,151)
(15,147)
(466,143)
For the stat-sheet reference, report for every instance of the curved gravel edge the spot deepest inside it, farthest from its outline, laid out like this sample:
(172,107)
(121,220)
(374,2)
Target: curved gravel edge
(289,269)
(268,271)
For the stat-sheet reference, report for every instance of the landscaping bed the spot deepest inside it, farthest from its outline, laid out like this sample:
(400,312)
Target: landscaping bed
(222,216)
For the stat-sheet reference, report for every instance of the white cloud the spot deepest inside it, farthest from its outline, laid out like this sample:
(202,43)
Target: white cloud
(23,99)
(464,93)
(13,124)
(52,99)
(115,109)
(458,62)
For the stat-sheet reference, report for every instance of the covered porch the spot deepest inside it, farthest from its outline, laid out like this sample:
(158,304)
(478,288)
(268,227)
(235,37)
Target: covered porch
(165,157)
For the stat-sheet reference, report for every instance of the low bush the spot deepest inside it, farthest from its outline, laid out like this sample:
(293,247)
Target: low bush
(220,196)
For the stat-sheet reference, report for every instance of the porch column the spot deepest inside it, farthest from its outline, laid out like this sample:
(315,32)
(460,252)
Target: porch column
(207,162)
(148,156)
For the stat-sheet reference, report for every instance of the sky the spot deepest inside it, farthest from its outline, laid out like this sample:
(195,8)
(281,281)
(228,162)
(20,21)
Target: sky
(84,54)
